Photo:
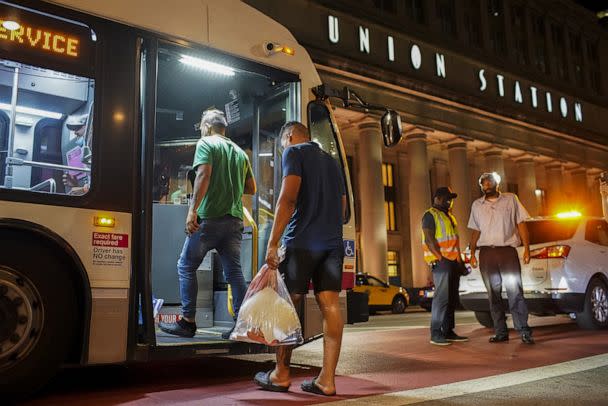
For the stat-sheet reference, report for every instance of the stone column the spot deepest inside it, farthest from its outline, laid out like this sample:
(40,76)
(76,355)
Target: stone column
(459,181)
(555,187)
(420,201)
(580,190)
(404,220)
(597,202)
(373,221)
(495,163)
(440,173)
(526,183)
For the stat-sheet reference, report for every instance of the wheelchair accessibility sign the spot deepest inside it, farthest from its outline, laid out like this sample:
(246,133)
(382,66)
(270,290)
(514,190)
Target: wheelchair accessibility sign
(349,248)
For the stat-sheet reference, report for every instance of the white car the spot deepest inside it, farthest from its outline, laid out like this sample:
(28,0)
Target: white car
(567,273)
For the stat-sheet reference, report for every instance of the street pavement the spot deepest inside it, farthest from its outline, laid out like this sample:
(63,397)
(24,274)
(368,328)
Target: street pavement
(387,361)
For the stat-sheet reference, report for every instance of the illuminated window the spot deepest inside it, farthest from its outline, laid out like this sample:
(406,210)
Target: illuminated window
(60,135)
(388,181)
(392,260)
(46,115)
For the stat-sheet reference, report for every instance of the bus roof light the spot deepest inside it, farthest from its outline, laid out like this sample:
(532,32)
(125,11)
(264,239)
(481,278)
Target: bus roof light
(34,112)
(206,65)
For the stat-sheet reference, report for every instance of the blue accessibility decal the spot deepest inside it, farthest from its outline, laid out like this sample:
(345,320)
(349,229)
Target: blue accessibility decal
(349,248)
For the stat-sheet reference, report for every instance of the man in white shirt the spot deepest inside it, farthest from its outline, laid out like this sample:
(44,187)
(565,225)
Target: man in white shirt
(497,224)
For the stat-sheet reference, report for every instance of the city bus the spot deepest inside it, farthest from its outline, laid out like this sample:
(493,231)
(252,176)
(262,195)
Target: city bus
(99,105)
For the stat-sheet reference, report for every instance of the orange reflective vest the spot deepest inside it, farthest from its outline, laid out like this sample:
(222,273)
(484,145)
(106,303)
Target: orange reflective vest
(446,235)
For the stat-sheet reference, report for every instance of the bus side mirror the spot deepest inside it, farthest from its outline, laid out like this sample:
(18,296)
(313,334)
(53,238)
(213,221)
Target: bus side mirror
(391,128)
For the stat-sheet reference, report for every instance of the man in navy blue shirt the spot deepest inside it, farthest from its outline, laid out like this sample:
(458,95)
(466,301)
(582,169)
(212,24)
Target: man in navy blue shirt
(311,211)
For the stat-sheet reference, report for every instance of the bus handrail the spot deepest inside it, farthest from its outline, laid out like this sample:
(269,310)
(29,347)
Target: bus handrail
(50,182)
(254,242)
(36,164)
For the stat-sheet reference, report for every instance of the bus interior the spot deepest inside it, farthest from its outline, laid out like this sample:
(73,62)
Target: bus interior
(256,106)
(51,133)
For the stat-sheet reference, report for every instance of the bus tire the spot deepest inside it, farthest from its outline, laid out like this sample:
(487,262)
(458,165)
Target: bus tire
(485,319)
(595,311)
(38,304)
(399,304)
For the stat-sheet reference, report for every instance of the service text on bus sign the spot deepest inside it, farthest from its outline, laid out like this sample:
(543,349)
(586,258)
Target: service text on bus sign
(38,38)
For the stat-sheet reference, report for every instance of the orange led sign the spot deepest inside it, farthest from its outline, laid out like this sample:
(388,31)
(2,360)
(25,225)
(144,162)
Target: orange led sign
(41,38)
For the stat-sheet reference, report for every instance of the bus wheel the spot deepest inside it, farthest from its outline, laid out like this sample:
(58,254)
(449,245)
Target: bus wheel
(37,315)
(398,305)
(595,313)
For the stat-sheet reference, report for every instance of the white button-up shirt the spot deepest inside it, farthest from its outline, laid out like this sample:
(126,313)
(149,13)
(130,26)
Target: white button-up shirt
(497,221)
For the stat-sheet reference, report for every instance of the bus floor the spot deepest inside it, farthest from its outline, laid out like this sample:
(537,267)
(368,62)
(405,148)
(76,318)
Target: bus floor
(202,336)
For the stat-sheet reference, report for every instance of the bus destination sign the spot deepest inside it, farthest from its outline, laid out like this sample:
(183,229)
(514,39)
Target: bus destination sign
(40,37)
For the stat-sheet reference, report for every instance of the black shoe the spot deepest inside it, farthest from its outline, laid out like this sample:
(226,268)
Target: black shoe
(440,341)
(451,336)
(182,328)
(226,334)
(526,338)
(499,338)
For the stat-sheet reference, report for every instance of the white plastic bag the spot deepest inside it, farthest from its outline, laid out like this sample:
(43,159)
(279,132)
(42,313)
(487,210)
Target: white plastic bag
(267,315)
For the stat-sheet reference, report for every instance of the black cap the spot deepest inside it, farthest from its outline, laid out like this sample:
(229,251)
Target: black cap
(445,191)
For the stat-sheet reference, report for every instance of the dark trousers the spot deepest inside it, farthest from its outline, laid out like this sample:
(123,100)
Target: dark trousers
(498,265)
(446,278)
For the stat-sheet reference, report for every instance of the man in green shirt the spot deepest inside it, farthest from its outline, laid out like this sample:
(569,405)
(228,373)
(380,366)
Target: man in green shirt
(215,217)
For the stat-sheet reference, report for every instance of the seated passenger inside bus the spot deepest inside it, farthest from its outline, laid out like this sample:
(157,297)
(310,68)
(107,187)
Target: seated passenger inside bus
(78,154)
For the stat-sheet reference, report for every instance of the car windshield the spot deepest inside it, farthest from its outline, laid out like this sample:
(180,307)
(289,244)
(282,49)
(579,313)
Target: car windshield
(375,282)
(542,231)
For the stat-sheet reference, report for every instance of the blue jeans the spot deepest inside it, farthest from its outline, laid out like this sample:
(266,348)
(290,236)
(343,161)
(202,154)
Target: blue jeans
(223,234)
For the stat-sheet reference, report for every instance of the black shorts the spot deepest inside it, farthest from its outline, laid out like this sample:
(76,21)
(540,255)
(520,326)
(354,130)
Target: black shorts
(324,268)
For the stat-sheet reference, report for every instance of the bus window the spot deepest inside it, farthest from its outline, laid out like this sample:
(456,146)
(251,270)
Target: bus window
(52,132)
(256,106)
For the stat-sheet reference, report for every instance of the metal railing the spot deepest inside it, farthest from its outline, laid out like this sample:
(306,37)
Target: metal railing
(49,182)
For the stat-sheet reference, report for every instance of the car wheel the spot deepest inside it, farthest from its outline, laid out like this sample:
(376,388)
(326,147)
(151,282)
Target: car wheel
(485,319)
(37,314)
(399,305)
(595,313)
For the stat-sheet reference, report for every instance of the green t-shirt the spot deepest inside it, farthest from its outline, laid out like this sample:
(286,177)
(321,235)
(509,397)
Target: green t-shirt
(230,166)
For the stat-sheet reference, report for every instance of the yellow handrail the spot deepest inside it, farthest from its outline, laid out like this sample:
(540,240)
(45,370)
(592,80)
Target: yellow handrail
(254,242)
(254,256)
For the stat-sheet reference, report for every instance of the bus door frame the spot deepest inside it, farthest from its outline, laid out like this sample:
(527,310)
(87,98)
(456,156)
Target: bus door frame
(142,299)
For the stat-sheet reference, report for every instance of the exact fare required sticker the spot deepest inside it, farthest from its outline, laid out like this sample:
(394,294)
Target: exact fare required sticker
(109,248)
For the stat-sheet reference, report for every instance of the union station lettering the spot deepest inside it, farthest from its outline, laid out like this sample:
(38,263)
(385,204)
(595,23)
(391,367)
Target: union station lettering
(534,95)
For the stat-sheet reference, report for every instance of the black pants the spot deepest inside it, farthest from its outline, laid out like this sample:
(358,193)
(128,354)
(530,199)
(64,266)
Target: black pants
(498,265)
(446,278)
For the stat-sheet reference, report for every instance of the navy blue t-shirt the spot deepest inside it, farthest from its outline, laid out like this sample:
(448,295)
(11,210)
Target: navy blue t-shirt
(316,224)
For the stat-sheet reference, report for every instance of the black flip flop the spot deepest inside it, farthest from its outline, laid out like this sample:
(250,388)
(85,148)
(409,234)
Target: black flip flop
(262,379)
(311,387)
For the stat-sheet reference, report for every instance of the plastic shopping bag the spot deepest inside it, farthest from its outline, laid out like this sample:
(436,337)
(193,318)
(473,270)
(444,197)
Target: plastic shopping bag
(267,315)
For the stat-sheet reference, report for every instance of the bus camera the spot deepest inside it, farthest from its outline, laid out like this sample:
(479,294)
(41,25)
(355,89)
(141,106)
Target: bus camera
(271,48)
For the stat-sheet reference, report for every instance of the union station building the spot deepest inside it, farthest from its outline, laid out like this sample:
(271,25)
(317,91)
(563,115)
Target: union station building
(481,86)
